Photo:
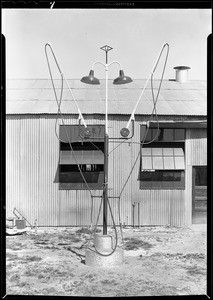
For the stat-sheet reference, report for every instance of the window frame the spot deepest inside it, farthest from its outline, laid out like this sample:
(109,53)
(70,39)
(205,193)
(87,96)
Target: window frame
(70,177)
(163,185)
(162,143)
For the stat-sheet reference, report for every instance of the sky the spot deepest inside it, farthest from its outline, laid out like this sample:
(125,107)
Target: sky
(76,35)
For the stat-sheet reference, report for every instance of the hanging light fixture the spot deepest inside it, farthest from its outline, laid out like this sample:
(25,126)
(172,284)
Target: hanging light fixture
(90,79)
(122,79)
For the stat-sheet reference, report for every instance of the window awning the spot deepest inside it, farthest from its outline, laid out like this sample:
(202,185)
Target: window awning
(81,157)
(179,124)
(162,159)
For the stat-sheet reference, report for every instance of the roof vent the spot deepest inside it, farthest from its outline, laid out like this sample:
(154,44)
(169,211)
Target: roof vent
(181,73)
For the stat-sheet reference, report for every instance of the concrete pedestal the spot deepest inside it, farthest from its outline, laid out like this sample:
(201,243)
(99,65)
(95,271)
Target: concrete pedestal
(104,244)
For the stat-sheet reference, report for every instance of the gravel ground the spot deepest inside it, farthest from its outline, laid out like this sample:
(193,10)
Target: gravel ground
(157,261)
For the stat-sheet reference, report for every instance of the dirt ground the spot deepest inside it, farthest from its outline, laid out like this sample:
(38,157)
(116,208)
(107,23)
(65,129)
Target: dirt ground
(157,261)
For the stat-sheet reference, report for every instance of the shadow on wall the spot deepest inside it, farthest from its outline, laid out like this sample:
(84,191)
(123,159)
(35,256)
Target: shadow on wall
(56,179)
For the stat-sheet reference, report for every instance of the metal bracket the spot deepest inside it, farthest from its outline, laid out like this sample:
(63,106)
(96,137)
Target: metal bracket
(106,48)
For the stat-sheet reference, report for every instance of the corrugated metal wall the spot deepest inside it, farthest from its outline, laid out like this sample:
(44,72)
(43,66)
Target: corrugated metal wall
(12,163)
(32,154)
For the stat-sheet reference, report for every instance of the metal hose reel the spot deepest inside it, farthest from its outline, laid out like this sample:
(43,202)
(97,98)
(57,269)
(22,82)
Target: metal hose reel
(87,132)
(124,132)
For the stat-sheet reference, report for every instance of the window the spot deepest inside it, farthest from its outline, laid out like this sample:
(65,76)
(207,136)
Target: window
(164,134)
(162,162)
(201,176)
(86,154)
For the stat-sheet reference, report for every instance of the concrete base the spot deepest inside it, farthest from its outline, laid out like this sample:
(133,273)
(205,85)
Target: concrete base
(103,244)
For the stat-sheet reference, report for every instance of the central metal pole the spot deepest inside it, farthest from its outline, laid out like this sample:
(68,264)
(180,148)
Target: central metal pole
(106,48)
(106,142)
(105,190)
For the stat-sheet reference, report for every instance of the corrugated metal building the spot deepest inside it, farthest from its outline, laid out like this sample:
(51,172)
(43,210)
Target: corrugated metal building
(168,183)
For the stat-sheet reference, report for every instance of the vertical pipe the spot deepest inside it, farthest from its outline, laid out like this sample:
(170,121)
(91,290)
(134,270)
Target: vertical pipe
(138,214)
(105,191)
(106,101)
(193,193)
(133,214)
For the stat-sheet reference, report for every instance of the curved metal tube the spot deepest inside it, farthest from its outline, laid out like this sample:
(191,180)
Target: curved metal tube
(115,62)
(153,70)
(62,75)
(98,62)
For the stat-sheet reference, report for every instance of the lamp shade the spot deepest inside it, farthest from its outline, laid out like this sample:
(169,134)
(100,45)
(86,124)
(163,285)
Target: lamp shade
(90,79)
(122,79)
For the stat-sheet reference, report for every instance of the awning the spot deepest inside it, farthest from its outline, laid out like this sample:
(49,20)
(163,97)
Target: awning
(162,159)
(179,124)
(81,157)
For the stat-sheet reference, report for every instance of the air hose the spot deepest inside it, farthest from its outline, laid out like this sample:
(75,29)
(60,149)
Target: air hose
(68,139)
(116,235)
(154,110)
(81,117)
(141,143)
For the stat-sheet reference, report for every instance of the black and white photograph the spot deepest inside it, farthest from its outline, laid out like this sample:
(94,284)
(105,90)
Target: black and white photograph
(106,151)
